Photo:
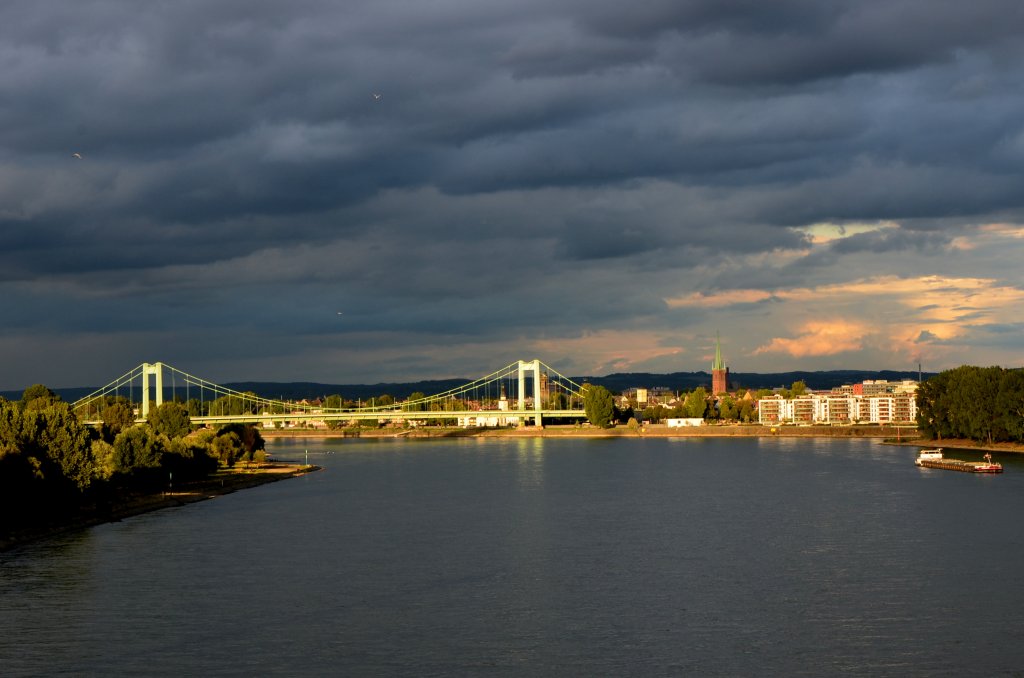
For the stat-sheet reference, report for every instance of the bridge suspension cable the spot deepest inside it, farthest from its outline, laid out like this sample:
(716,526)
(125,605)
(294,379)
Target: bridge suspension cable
(482,394)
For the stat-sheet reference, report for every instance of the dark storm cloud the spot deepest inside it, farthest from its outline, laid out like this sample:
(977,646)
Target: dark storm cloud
(878,242)
(235,162)
(802,40)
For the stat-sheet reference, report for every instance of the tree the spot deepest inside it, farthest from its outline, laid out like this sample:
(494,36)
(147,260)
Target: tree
(983,404)
(136,449)
(170,419)
(118,416)
(413,405)
(63,440)
(38,397)
(103,459)
(696,403)
(194,407)
(188,458)
(728,409)
(20,474)
(249,440)
(599,405)
(799,388)
(227,447)
(1010,404)
(653,413)
(559,401)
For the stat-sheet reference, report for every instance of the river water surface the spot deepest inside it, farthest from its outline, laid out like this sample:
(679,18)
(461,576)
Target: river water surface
(549,557)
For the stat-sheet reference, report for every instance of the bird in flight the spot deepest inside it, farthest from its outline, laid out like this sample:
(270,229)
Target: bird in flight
(76,155)
(376,96)
(340,313)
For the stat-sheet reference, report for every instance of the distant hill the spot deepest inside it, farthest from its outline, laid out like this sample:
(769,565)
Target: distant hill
(677,381)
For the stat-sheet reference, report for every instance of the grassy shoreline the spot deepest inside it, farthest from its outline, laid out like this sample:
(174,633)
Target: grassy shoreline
(220,483)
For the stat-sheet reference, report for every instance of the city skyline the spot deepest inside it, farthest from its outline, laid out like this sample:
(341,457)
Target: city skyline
(380,192)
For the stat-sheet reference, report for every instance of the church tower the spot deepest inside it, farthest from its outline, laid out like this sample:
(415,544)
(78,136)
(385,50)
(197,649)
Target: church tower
(719,372)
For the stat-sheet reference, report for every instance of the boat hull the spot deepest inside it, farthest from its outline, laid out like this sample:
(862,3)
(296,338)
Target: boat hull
(959,465)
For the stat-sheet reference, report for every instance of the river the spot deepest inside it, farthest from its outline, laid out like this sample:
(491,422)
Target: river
(544,557)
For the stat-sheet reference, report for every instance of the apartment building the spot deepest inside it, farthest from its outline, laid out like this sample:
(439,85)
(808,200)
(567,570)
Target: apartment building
(838,408)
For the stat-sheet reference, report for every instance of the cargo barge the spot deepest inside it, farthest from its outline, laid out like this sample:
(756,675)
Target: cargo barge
(935,459)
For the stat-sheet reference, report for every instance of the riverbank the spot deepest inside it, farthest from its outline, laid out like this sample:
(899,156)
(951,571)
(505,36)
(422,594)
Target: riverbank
(586,431)
(968,445)
(220,483)
(894,435)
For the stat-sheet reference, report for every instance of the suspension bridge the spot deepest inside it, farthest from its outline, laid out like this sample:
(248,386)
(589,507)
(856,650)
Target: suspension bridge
(517,394)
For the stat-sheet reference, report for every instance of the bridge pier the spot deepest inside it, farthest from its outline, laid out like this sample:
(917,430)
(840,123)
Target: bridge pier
(156,369)
(524,367)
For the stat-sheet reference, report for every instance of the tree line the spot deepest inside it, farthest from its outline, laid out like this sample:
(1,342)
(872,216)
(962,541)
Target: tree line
(601,410)
(52,464)
(984,404)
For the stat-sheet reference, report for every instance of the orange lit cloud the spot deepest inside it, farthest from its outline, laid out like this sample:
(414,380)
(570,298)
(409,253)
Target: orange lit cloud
(818,338)
(930,298)
(825,232)
(988,234)
(714,299)
(605,349)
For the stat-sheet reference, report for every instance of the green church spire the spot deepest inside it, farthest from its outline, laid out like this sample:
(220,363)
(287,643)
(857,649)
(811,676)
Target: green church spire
(718,364)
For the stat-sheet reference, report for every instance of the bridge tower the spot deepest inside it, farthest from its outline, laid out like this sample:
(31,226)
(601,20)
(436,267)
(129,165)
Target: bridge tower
(156,369)
(534,367)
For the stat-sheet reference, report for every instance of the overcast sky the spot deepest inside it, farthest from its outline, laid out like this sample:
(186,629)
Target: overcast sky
(385,190)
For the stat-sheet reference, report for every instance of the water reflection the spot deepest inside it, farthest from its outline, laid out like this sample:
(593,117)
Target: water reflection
(529,456)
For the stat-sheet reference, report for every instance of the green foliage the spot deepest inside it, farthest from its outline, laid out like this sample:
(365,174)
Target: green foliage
(227,448)
(417,407)
(233,405)
(728,409)
(136,449)
(980,403)
(50,461)
(45,454)
(170,419)
(103,459)
(38,396)
(117,416)
(654,413)
(696,404)
(57,435)
(1010,404)
(249,441)
(598,405)
(194,407)
(559,401)
(188,458)
(799,388)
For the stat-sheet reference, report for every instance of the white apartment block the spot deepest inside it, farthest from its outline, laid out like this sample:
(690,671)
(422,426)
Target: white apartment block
(838,408)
